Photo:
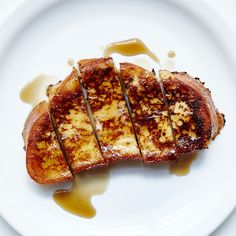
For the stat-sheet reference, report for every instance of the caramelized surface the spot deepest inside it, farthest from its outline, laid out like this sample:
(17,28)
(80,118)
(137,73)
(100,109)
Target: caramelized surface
(112,121)
(194,118)
(150,115)
(70,114)
(44,159)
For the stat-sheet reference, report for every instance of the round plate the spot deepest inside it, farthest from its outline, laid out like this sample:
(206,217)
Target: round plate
(40,37)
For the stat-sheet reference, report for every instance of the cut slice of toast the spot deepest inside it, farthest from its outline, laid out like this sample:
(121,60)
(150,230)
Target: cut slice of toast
(45,161)
(72,122)
(150,115)
(195,119)
(108,105)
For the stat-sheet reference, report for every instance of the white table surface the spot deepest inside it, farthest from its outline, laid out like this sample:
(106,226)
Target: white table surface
(227,11)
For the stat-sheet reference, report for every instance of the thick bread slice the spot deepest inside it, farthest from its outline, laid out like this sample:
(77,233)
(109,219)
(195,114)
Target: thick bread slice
(44,159)
(112,120)
(195,119)
(149,113)
(71,119)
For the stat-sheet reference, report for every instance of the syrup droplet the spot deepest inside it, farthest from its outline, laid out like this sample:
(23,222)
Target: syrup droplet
(171,54)
(182,167)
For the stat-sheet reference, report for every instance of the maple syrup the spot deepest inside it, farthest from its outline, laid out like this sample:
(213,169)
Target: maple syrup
(77,199)
(71,62)
(35,91)
(130,47)
(171,54)
(182,167)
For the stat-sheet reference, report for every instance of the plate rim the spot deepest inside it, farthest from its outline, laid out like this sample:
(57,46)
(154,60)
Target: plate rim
(225,35)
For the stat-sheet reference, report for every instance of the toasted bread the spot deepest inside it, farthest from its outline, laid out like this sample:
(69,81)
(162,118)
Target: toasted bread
(149,113)
(71,119)
(45,161)
(133,116)
(112,121)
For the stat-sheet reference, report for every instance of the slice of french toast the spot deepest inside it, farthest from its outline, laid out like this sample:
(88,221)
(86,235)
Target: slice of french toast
(195,120)
(108,105)
(73,125)
(45,161)
(150,115)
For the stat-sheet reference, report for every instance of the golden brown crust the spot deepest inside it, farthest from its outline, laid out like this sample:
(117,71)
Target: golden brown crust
(112,121)
(149,113)
(69,111)
(194,118)
(44,159)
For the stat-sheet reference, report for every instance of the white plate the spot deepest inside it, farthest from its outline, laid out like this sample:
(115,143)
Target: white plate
(40,37)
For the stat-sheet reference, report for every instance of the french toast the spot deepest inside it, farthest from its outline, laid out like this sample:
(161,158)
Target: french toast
(108,105)
(195,120)
(150,115)
(45,161)
(72,122)
(101,115)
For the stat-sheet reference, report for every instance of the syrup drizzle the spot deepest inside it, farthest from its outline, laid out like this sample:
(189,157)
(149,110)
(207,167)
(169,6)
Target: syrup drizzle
(130,47)
(77,199)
